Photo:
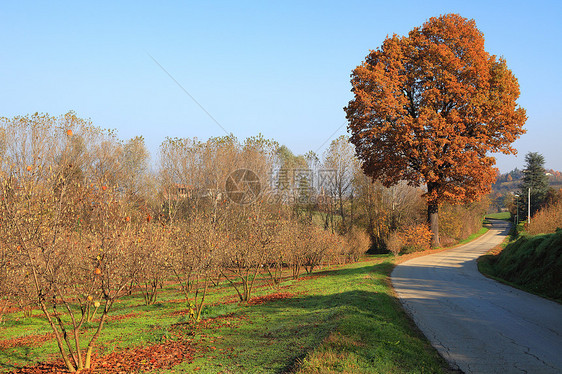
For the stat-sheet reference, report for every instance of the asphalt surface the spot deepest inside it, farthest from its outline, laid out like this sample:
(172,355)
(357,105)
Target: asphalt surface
(479,325)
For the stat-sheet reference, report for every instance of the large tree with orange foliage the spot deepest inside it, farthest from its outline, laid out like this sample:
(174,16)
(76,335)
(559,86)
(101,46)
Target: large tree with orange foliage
(430,107)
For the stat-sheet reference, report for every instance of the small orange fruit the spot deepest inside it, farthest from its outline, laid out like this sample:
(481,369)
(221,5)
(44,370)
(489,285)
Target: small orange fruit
(104,188)
(69,132)
(97,271)
(127,219)
(29,168)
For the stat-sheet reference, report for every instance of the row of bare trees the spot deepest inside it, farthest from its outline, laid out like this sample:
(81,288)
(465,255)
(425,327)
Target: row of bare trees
(83,222)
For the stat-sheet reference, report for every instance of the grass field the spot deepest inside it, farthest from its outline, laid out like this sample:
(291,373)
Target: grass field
(341,319)
(506,216)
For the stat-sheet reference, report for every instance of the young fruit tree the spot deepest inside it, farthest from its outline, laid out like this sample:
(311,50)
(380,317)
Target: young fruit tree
(430,107)
(64,243)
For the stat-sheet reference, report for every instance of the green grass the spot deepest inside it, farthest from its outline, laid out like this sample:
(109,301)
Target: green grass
(343,319)
(506,216)
(531,263)
(372,335)
(476,235)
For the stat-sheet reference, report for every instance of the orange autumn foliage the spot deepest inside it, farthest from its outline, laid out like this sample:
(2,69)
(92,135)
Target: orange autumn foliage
(410,239)
(430,107)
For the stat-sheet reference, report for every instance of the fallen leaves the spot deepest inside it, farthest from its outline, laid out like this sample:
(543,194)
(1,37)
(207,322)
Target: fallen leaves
(29,340)
(272,297)
(140,359)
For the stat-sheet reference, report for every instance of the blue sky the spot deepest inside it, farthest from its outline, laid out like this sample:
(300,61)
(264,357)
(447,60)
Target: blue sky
(279,68)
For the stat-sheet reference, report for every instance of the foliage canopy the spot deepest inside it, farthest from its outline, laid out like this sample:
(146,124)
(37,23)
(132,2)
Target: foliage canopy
(428,108)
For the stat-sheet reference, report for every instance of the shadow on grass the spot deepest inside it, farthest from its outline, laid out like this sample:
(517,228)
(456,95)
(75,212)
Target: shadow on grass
(8,356)
(347,271)
(368,324)
(351,302)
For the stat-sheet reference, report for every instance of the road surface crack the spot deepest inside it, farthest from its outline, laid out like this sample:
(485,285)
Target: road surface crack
(527,351)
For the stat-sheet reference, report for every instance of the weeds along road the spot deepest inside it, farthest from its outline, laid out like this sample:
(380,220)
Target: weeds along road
(477,324)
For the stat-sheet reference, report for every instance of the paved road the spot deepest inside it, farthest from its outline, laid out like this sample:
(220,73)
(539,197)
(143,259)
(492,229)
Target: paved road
(477,324)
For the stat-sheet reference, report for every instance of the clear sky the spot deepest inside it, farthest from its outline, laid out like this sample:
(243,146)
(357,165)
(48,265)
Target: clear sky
(280,68)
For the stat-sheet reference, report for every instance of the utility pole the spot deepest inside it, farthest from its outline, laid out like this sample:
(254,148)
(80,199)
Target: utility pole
(529,207)
(517,209)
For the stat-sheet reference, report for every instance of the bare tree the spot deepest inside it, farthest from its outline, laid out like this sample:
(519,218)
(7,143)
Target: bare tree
(194,258)
(341,161)
(251,234)
(61,222)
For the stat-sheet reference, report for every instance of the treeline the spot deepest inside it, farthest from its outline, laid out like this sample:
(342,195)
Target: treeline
(554,176)
(511,189)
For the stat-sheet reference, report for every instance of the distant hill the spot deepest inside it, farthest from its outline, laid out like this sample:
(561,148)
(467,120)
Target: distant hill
(510,183)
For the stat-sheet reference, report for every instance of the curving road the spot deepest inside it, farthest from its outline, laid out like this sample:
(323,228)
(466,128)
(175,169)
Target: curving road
(479,325)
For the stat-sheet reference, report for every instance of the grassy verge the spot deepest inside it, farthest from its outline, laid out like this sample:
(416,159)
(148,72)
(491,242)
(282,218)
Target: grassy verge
(530,263)
(363,343)
(474,236)
(344,319)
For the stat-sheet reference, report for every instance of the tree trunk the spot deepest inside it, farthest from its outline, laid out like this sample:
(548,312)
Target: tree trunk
(60,344)
(90,347)
(342,214)
(199,307)
(433,220)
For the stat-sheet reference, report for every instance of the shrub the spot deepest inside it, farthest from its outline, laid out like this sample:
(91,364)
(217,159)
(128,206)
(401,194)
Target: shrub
(318,245)
(410,239)
(458,222)
(395,243)
(417,238)
(357,243)
(547,220)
